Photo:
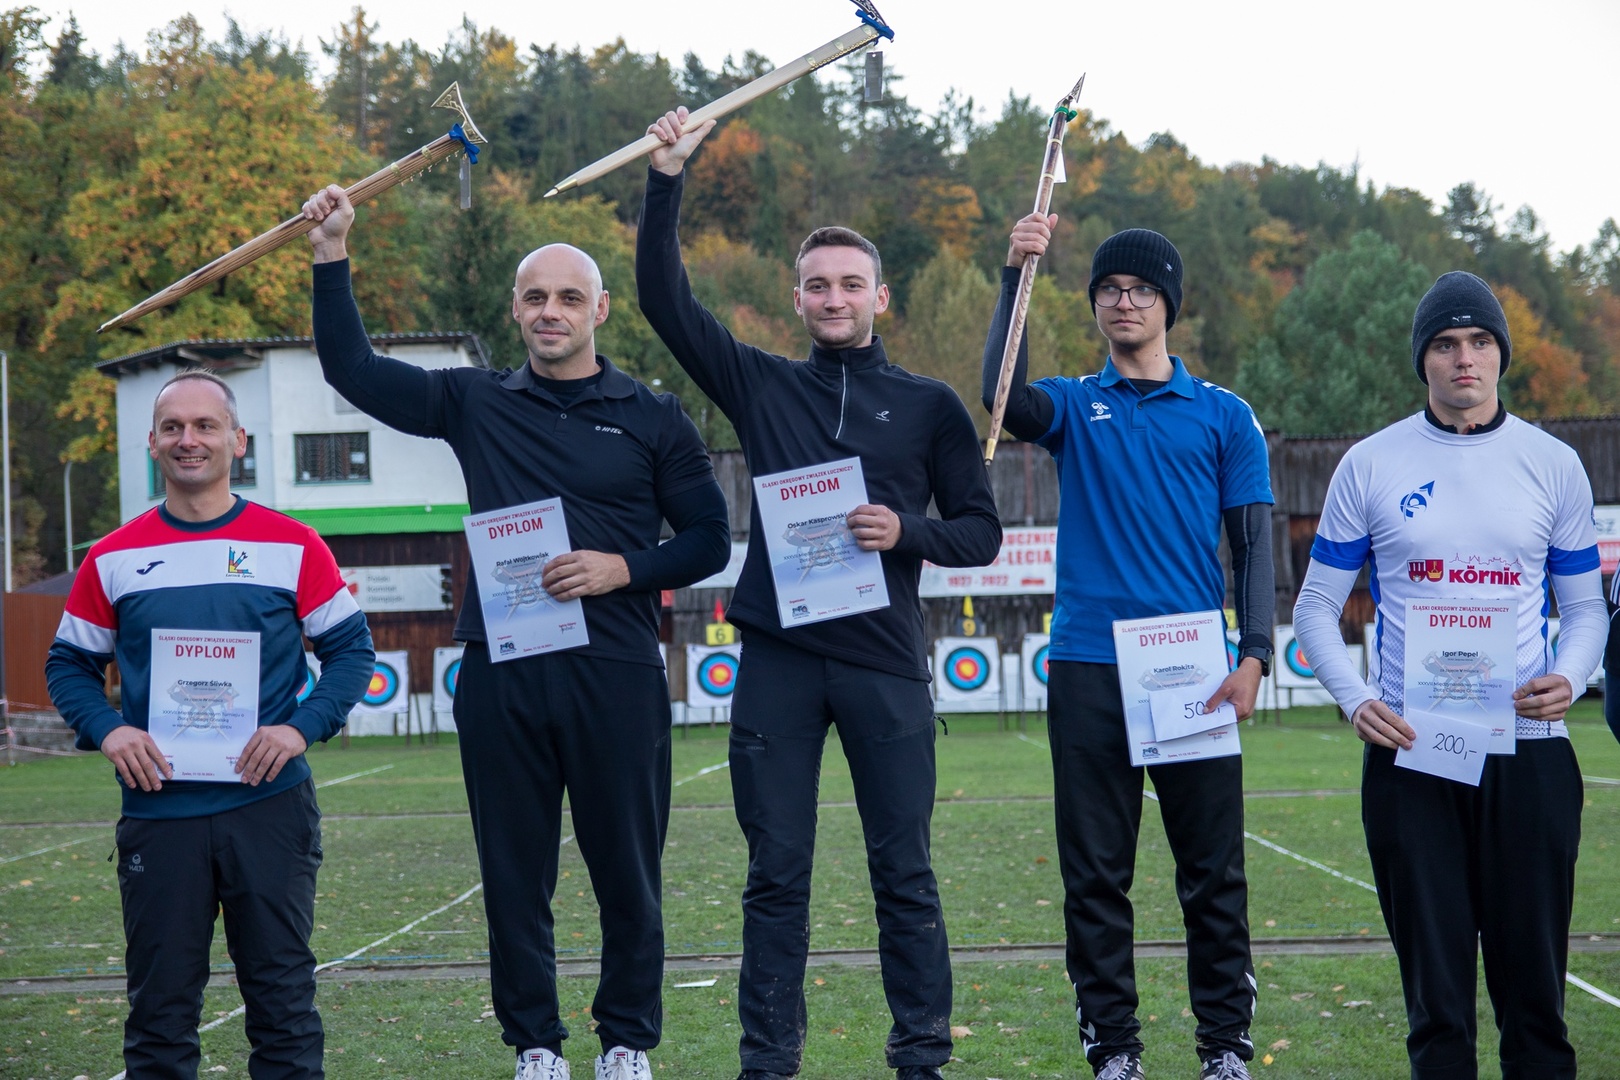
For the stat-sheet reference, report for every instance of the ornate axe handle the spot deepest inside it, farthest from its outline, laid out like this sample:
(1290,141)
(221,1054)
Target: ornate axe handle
(872,27)
(463,136)
(1051,165)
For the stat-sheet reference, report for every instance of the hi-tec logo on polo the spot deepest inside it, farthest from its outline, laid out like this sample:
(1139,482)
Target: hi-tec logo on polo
(1099,411)
(610,430)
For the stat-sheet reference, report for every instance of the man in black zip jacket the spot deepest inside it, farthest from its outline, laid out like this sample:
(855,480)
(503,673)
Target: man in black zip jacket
(593,720)
(866,673)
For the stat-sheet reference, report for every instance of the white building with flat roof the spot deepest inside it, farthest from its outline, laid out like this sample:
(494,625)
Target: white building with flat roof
(311,454)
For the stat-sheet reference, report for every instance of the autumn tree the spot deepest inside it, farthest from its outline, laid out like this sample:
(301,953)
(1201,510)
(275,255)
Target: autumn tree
(1337,358)
(1544,378)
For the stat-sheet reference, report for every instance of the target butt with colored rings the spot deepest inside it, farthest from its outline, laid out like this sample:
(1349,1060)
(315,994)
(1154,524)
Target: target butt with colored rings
(383,686)
(717,674)
(967,668)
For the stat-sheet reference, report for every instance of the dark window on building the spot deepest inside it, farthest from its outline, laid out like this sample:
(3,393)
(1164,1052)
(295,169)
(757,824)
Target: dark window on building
(244,472)
(337,458)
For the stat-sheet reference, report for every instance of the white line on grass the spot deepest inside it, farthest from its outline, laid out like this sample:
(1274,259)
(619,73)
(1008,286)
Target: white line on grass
(43,850)
(705,771)
(1310,862)
(412,925)
(1594,991)
(1606,998)
(1600,780)
(353,776)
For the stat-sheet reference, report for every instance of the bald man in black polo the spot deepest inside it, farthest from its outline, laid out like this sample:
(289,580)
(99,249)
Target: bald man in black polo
(595,719)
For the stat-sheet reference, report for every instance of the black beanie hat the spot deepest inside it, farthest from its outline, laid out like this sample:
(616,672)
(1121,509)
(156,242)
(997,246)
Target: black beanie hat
(1458,299)
(1141,253)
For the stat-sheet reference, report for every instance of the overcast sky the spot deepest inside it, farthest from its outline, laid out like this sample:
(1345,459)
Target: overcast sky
(1519,98)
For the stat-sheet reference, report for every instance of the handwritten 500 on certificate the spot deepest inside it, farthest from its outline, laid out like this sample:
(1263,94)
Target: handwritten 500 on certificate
(510,549)
(1164,653)
(205,700)
(819,570)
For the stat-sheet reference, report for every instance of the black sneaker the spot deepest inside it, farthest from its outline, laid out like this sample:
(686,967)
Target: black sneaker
(918,1072)
(760,1074)
(1227,1066)
(1122,1067)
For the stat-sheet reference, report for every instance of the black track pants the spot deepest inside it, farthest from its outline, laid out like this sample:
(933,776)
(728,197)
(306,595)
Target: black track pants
(785,700)
(258,863)
(1099,815)
(1460,868)
(600,728)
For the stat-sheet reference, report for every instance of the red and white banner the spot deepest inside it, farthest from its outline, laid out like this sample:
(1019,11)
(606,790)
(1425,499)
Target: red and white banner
(1606,519)
(1027,563)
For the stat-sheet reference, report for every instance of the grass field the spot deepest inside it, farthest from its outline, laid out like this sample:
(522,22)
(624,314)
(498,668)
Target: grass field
(398,847)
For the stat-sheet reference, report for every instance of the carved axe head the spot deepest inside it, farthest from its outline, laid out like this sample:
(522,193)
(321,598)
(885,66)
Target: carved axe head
(451,99)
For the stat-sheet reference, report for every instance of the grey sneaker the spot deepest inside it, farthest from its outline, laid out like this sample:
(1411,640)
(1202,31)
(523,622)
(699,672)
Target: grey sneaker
(1122,1067)
(1227,1066)
(541,1064)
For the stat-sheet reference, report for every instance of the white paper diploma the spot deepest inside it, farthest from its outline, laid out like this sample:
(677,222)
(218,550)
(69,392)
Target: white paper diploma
(1179,711)
(1177,653)
(819,570)
(204,703)
(1446,746)
(510,547)
(1461,661)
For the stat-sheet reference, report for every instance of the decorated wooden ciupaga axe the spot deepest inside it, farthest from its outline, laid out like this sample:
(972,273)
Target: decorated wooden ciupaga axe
(1051,174)
(872,27)
(463,136)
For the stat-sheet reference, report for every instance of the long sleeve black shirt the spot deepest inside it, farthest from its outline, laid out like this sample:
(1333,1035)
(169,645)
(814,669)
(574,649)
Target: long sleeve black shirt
(913,435)
(622,459)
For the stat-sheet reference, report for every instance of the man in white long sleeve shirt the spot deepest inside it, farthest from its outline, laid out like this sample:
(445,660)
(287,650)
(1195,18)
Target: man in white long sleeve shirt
(1465,502)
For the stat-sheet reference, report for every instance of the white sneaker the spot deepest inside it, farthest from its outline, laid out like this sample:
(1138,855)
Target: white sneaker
(621,1063)
(541,1064)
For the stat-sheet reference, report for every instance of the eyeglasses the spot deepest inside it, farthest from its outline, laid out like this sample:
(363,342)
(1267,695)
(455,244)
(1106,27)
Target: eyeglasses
(1142,296)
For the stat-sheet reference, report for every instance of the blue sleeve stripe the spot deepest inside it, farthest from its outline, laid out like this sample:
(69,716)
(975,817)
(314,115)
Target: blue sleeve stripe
(1564,563)
(1348,555)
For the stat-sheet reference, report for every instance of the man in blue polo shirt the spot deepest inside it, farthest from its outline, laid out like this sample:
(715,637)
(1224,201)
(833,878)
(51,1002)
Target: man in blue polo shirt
(1151,461)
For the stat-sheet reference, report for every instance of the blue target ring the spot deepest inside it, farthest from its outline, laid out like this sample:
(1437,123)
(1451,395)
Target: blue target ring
(717,674)
(383,686)
(452,673)
(1294,657)
(1231,655)
(966,668)
(308,685)
(1038,662)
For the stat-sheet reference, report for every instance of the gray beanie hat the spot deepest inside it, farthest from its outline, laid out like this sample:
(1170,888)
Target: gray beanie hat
(1457,299)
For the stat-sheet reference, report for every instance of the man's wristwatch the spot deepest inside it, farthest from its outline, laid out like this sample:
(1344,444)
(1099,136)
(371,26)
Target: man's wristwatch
(1260,653)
